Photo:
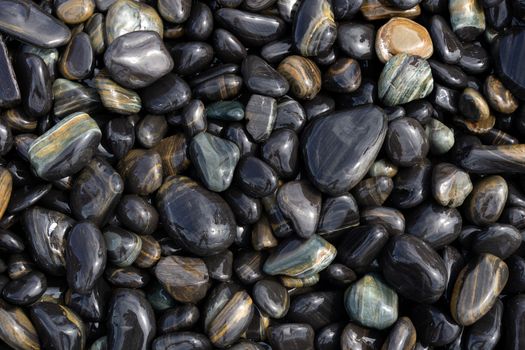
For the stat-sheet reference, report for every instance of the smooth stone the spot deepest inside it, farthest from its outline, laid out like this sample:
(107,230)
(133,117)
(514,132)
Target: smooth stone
(295,282)
(141,171)
(225,110)
(123,247)
(24,197)
(290,114)
(173,153)
(402,35)
(27,22)
(237,133)
(26,289)
(222,87)
(355,337)
(445,99)
(403,4)
(214,159)
(302,74)
(513,319)
(498,96)
(180,317)
(291,336)
(425,319)
(338,214)
(337,166)
(446,43)
(179,201)
(58,326)
(35,84)
(320,105)
(276,51)
(262,235)
(406,142)
(287,9)
(166,95)
(373,191)
(227,47)
(124,61)
(220,266)
(93,305)
(77,60)
(487,200)
(130,321)
(193,118)
(151,130)
(96,192)
(318,309)
(493,159)
(19,265)
(116,98)
(300,202)
(383,167)
(361,245)
(149,254)
(9,90)
(411,185)
(214,72)
(402,335)
(440,137)
(356,39)
(450,185)
(260,78)
(344,9)
(185,279)
(252,29)
(17,331)
(174,11)
(448,74)
(248,266)
(328,337)
(475,60)
(127,16)
(434,224)
(85,256)
(467,18)
(11,242)
(486,332)
(509,51)
(120,136)
(182,341)
(77,135)
(126,277)
(419,276)
(6,138)
(477,288)
(261,112)
(74,11)
(229,311)
(314,29)
(47,231)
(70,97)
(376,10)
(392,219)
(272,298)
(343,76)
(516,281)
(499,16)
(254,177)
(300,258)
(247,210)
(96,30)
(500,240)
(371,302)
(405,78)
(280,151)
(191,57)
(472,105)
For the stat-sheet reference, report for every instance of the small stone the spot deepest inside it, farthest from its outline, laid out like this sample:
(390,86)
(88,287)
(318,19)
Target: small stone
(450,185)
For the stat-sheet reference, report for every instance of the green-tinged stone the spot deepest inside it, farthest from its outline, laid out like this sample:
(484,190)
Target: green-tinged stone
(371,302)
(71,97)
(292,282)
(115,97)
(126,16)
(300,258)
(226,110)
(405,78)
(441,137)
(65,148)
(100,344)
(467,18)
(477,288)
(214,159)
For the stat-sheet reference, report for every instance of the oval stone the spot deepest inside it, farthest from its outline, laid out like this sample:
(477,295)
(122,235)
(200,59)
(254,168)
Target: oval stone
(314,29)
(487,200)
(339,148)
(198,219)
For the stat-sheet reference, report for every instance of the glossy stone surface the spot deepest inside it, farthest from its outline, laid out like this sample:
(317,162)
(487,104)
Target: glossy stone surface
(130,322)
(125,61)
(17,331)
(513,322)
(85,256)
(280,151)
(446,44)
(511,49)
(337,215)
(356,39)
(77,61)
(302,74)
(261,112)
(371,302)
(493,159)
(406,142)
(26,289)
(91,306)
(450,185)
(151,130)
(35,84)
(361,245)
(181,200)
(318,309)
(498,96)
(404,78)
(255,178)
(167,94)
(123,247)
(227,47)
(487,200)
(261,78)
(314,29)
(291,336)
(66,148)
(182,341)
(70,97)
(360,338)
(486,331)
(425,317)
(10,92)
(298,258)
(27,22)
(467,18)
(272,298)
(402,35)
(500,240)
(414,269)
(472,105)
(336,162)
(392,219)
(186,279)
(175,11)
(402,336)
(477,288)
(58,326)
